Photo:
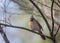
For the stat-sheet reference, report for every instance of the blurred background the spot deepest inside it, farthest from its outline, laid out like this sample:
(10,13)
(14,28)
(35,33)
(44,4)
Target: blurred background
(18,13)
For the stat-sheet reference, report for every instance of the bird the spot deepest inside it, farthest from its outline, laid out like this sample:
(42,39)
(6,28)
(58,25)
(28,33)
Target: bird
(35,26)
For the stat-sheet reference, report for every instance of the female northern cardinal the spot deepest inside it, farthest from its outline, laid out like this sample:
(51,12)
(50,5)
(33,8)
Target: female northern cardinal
(35,26)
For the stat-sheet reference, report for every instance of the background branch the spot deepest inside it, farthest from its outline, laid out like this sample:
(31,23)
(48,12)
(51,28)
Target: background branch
(59,1)
(18,3)
(4,35)
(57,31)
(48,6)
(56,3)
(37,2)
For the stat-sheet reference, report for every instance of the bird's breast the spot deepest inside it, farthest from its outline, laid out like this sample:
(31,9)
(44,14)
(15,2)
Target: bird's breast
(34,26)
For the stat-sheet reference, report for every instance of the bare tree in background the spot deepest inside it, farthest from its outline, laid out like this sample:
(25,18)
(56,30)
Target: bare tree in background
(51,29)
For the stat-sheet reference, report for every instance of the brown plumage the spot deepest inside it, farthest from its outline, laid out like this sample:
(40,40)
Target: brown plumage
(35,25)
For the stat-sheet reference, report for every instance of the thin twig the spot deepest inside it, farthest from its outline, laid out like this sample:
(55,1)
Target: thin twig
(18,3)
(4,21)
(57,31)
(48,6)
(23,29)
(38,2)
(41,15)
(56,3)
(8,4)
(52,17)
(4,35)
(59,1)
(38,15)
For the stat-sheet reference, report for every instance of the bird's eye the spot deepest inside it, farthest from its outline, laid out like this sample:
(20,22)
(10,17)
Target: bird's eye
(31,19)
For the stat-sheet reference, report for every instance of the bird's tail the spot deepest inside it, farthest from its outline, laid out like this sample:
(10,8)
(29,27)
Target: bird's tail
(42,36)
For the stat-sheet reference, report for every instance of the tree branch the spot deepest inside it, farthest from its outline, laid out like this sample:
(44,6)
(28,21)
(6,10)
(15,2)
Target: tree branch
(56,3)
(48,6)
(41,15)
(38,2)
(59,1)
(57,31)
(23,29)
(4,35)
(18,3)
(52,17)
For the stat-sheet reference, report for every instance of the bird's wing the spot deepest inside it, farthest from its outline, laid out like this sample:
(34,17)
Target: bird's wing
(38,24)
